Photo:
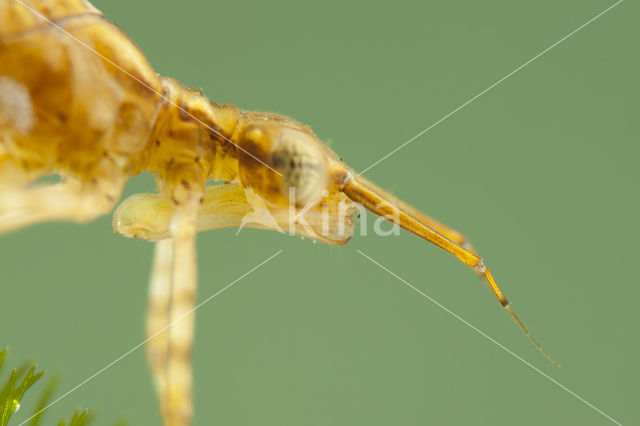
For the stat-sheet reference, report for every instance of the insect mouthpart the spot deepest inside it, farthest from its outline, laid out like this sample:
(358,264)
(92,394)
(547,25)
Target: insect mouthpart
(234,206)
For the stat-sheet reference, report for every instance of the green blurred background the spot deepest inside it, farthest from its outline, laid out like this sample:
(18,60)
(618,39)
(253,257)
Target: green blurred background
(541,173)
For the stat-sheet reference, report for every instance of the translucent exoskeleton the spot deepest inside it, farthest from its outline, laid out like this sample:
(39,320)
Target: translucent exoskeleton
(79,99)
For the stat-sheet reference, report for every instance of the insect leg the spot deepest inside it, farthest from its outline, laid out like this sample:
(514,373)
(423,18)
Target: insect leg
(61,201)
(179,377)
(158,315)
(147,216)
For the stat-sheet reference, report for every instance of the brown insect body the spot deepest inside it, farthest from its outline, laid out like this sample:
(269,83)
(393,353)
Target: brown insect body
(89,119)
(100,123)
(79,99)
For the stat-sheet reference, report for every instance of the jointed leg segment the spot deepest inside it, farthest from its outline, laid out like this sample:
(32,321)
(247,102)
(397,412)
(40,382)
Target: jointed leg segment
(172,293)
(158,315)
(179,377)
(62,201)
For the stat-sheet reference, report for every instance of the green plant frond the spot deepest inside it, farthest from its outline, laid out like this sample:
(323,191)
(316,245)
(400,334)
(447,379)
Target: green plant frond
(45,398)
(14,389)
(12,395)
(8,404)
(79,418)
(9,385)
(91,416)
(3,354)
(29,380)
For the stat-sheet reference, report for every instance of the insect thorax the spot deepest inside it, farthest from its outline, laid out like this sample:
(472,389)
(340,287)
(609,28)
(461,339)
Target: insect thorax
(193,132)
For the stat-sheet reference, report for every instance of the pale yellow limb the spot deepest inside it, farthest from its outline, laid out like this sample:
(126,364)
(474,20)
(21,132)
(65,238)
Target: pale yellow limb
(179,378)
(147,216)
(173,292)
(158,315)
(66,201)
(183,184)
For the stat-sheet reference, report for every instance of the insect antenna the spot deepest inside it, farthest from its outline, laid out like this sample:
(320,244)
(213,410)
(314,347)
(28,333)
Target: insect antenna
(381,203)
(507,306)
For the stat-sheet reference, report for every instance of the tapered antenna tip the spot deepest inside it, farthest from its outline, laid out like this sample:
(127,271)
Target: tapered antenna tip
(533,340)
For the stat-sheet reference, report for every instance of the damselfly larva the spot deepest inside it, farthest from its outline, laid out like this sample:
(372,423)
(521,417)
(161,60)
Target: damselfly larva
(79,99)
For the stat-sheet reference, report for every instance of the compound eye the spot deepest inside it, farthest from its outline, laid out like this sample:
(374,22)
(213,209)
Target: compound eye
(303,166)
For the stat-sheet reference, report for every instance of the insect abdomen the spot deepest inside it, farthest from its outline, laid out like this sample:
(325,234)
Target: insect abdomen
(93,95)
(16,18)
